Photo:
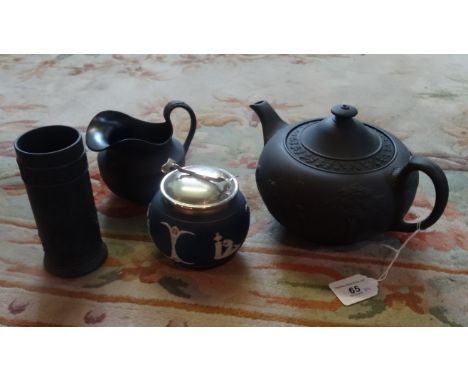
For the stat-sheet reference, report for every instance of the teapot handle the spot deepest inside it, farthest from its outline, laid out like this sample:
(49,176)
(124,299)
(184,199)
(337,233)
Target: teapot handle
(439,180)
(193,119)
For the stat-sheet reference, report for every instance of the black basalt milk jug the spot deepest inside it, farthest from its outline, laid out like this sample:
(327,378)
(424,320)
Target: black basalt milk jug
(131,151)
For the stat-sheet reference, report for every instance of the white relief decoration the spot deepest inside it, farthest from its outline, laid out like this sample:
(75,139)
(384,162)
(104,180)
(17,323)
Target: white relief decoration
(228,245)
(175,232)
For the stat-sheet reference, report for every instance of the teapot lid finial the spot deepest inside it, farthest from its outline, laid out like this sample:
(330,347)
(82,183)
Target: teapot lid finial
(344,111)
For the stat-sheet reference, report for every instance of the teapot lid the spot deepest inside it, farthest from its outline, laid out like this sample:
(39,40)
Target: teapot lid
(341,136)
(197,188)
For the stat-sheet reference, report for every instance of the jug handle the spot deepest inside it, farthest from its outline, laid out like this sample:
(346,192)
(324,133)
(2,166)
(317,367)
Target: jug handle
(435,173)
(193,119)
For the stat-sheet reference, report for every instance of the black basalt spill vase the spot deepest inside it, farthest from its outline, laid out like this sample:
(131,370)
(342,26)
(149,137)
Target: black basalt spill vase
(54,168)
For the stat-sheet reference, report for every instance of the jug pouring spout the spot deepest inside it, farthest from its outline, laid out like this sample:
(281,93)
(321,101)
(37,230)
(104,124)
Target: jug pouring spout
(110,127)
(270,120)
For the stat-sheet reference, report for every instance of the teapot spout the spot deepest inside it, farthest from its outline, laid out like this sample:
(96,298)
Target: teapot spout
(270,120)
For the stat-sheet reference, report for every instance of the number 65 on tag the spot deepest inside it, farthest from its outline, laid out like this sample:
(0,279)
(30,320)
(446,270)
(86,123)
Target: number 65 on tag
(354,289)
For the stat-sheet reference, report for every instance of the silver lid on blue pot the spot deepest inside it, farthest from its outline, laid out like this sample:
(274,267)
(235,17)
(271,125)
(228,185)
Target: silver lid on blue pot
(197,188)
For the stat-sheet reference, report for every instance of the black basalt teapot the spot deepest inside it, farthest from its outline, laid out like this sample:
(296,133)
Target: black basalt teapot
(337,180)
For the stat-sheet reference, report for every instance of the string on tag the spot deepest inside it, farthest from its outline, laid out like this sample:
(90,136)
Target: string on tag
(357,288)
(397,251)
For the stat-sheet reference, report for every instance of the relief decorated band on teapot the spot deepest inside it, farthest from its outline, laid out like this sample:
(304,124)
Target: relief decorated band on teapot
(131,151)
(337,180)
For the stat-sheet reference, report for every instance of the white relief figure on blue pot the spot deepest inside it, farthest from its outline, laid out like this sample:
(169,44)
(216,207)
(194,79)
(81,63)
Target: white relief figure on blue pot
(175,232)
(229,247)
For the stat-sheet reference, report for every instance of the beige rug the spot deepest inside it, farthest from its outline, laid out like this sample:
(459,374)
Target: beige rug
(276,279)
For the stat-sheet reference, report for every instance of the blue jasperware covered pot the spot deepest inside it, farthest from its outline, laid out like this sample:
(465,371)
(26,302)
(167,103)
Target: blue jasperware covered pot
(198,218)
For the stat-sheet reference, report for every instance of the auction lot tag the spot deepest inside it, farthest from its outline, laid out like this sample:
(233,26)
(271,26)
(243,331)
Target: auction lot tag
(354,289)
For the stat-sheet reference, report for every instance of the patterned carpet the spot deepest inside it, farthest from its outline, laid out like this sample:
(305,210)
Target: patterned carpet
(276,279)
